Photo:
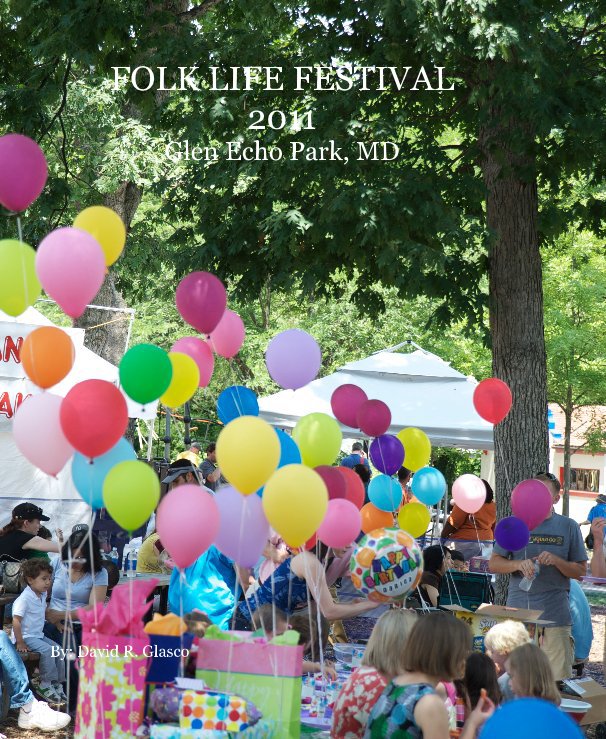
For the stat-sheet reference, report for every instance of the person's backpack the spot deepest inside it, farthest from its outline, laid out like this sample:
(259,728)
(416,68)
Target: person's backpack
(11,577)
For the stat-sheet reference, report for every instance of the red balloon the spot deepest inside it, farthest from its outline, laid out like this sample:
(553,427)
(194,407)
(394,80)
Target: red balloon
(334,481)
(201,300)
(354,487)
(373,417)
(345,402)
(94,417)
(310,544)
(492,400)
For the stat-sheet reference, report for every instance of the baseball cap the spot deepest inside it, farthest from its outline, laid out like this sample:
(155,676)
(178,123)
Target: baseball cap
(601,499)
(29,512)
(176,470)
(80,527)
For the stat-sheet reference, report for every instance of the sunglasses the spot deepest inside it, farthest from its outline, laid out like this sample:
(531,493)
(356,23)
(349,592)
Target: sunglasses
(74,560)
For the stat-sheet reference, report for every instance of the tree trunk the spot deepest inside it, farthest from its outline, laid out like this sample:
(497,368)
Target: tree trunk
(567,453)
(516,309)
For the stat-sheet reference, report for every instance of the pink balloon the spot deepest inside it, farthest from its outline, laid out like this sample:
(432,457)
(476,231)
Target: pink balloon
(187,521)
(23,171)
(293,358)
(38,434)
(373,417)
(201,300)
(244,530)
(200,352)
(345,403)
(341,524)
(70,264)
(228,336)
(531,502)
(469,493)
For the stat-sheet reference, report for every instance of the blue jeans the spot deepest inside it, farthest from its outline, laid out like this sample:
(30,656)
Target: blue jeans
(52,668)
(73,639)
(15,672)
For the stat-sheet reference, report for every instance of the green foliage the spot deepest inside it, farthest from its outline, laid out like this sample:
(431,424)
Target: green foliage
(455,462)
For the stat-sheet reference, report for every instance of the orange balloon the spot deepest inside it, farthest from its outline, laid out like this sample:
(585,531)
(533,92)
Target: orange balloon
(47,355)
(374,518)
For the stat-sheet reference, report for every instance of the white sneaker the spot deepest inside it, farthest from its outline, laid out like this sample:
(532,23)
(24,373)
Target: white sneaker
(42,717)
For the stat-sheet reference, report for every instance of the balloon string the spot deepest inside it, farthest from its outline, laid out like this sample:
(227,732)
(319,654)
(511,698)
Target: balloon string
(22,252)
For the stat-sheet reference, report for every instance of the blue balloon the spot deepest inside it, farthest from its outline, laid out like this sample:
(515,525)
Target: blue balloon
(88,475)
(428,485)
(289,451)
(385,493)
(236,401)
(533,719)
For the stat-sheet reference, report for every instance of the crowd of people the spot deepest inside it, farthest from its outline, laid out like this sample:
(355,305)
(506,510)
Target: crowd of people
(418,675)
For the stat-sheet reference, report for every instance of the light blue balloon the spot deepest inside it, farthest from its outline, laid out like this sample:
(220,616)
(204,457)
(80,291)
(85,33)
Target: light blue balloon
(236,401)
(428,485)
(289,451)
(533,719)
(385,493)
(88,476)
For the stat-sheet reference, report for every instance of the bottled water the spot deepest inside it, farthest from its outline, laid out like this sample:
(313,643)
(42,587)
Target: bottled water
(114,556)
(526,582)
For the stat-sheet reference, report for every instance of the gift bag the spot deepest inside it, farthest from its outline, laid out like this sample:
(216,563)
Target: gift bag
(112,681)
(268,675)
(214,711)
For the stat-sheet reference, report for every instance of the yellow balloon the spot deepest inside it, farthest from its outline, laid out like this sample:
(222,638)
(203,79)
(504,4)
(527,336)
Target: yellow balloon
(417,448)
(295,501)
(184,383)
(414,518)
(319,438)
(248,451)
(19,284)
(107,227)
(131,491)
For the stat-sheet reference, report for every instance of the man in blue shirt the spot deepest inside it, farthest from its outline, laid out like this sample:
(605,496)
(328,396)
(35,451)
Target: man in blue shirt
(357,456)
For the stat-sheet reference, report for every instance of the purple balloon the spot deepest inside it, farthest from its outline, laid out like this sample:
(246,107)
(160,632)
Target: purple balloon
(201,300)
(23,171)
(387,453)
(243,528)
(512,534)
(345,401)
(293,358)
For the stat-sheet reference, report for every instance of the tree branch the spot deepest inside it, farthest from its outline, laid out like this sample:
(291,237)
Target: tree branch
(198,10)
(63,100)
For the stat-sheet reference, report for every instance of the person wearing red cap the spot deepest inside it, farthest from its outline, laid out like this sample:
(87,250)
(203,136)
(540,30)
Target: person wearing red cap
(19,538)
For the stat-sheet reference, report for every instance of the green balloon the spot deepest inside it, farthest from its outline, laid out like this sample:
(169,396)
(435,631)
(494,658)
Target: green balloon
(131,491)
(145,372)
(19,284)
(319,439)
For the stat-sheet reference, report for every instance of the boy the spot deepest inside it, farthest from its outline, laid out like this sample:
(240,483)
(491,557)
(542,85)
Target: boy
(28,623)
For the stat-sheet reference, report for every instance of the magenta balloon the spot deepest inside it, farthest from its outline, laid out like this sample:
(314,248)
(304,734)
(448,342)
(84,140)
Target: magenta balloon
(345,402)
(201,300)
(244,531)
(531,502)
(387,453)
(70,265)
(38,434)
(200,352)
(23,171)
(469,493)
(334,481)
(373,417)
(228,337)
(187,522)
(341,524)
(293,358)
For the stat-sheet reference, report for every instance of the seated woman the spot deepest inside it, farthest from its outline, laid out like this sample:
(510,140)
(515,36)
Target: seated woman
(436,560)
(468,530)
(289,586)
(79,581)
(19,539)
(382,661)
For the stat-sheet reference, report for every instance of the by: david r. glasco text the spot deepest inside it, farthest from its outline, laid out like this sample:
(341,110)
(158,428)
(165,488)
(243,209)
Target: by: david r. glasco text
(295,151)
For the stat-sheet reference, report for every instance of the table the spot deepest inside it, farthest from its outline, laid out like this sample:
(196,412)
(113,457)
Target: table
(594,585)
(162,586)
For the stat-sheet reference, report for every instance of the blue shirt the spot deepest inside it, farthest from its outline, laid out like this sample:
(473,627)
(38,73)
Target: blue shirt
(598,511)
(353,459)
(582,630)
(209,585)
(68,597)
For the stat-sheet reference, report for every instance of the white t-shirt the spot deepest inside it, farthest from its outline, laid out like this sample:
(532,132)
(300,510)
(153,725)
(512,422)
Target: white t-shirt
(31,608)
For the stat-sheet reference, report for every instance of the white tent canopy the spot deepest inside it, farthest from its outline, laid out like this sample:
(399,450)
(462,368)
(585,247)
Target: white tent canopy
(420,389)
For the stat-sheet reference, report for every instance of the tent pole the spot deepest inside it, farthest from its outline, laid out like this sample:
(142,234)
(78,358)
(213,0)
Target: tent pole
(187,421)
(167,437)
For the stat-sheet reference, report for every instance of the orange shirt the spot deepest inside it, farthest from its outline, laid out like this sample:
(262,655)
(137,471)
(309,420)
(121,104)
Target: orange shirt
(485,520)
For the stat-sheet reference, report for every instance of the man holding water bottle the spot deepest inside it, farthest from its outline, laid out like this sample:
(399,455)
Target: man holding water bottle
(540,577)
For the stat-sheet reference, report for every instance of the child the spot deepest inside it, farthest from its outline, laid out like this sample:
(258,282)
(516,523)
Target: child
(458,561)
(499,642)
(480,674)
(531,674)
(28,623)
(435,652)
(382,661)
